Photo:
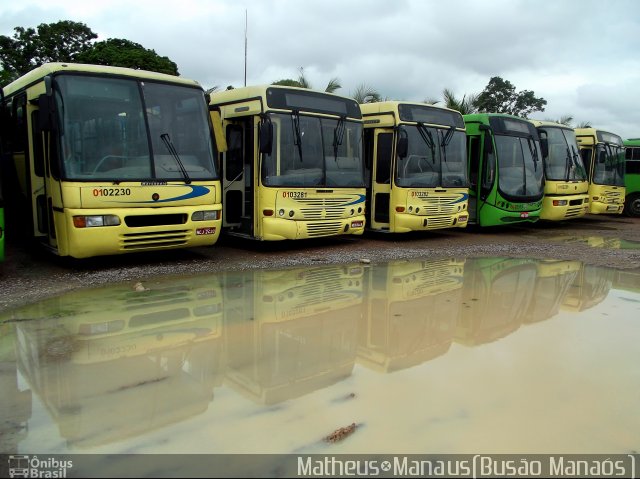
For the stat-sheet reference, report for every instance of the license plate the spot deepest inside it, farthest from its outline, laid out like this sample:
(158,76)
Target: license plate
(205,231)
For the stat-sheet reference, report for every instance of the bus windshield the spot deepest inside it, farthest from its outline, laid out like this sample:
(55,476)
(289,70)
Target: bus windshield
(436,157)
(563,161)
(519,166)
(609,165)
(124,129)
(314,151)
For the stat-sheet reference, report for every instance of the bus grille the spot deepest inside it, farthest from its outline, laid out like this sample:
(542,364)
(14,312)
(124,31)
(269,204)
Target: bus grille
(440,222)
(439,205)
(324,229)
(312,208)
(613,197)
(574,212)
(154,240)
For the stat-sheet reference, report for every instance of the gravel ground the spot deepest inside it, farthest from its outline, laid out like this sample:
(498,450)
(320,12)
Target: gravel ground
(30,275)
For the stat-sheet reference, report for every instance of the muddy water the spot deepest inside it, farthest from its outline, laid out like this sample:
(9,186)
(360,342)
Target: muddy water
(453,356)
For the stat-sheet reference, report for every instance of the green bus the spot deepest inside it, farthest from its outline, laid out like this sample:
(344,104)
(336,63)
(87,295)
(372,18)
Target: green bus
(505,169)
(632,177)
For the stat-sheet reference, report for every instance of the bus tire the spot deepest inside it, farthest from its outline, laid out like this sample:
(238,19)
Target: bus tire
(632,205)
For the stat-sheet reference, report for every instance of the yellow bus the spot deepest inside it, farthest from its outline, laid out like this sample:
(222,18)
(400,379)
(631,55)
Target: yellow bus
(415,165)
(107,160)
(293,168)
(603,156)
(566,184)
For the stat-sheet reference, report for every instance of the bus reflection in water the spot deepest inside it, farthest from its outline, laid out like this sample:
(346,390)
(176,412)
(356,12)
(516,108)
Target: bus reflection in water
(113,362)
(589,288)
(496,295)
(410,313)
(553,280)
(117,362)
(291,332)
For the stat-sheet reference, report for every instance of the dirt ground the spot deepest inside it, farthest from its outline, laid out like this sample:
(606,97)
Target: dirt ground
(29,275)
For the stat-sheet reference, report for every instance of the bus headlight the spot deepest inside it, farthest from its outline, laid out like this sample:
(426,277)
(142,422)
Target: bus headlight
(207,215)
(559,202)
(95,220)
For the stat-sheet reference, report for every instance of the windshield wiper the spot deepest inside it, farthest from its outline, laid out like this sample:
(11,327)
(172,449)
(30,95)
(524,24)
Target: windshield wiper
(446,139)
(297,140)
(338,136)
(172,149)
(428,139)
(534,152)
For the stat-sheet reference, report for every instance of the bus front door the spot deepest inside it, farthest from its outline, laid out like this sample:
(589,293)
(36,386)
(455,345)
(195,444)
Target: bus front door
(237,196)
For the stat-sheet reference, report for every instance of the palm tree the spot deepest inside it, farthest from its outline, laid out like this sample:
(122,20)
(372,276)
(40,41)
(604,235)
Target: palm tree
(465,106)
(302,82)
(584,124)
(366,94)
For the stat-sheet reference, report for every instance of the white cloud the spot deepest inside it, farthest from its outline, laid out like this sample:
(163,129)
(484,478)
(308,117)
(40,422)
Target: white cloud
(577,54)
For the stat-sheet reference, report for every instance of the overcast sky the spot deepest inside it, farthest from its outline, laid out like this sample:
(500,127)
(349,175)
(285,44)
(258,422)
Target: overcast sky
(580,55)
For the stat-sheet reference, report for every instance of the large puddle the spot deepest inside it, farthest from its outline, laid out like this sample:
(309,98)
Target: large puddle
(452,356)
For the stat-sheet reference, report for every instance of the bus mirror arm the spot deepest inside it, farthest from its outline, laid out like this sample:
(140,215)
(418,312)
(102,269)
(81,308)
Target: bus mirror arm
(544,146)
(402,147)
(266,136)
(46,110)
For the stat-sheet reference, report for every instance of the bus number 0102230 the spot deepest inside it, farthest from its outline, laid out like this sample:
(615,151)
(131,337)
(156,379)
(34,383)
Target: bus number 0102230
(112,192)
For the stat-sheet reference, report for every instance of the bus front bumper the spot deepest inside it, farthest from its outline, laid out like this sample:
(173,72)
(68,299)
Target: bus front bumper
(406,222)
(278,229)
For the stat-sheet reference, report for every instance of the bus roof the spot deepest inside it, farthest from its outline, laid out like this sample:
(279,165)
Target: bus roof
(261,92)
(550,124)
(408,111)
(632,142)
(598,135)
(40,72)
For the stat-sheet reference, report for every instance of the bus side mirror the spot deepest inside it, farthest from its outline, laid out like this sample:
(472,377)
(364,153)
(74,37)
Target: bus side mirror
(266,137)
(403,147)
(544,146)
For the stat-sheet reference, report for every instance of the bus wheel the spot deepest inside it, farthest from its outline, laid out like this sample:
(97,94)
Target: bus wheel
(632,206)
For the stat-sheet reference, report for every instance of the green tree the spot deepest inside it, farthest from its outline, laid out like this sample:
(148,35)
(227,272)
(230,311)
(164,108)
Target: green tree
(500,96)
(125,53)
(62,41)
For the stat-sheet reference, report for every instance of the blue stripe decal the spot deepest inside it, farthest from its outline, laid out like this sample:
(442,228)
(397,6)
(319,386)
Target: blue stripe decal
(464,197)
(196,191)
(360,199)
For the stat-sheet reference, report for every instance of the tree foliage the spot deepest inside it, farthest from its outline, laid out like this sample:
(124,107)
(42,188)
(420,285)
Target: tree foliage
(68,41)
(53,42)
(125,53)
(302,82)
(500,96)
(366,94)
(466,105)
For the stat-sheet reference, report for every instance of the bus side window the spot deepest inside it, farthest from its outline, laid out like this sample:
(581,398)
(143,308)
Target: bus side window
(489,166)
(383,158)
(235,163)
(368,154)
(473,146)
(586,159)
